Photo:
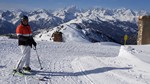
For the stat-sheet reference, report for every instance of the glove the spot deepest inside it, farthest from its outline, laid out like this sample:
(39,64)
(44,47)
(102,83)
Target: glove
(29,42)
(34,44)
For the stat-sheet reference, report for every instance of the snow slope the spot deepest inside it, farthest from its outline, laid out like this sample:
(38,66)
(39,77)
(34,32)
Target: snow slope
(78,63)
(70,33)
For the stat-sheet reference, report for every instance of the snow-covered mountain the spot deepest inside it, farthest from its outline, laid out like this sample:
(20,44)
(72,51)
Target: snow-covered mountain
(67,14)
(93,25)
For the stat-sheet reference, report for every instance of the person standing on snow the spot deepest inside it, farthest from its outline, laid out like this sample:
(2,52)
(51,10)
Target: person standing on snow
(25,42)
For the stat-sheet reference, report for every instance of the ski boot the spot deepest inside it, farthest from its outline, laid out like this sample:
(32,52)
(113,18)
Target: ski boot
(27,68)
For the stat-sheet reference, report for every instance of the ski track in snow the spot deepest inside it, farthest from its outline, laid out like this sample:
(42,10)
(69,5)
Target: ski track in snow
(123,69)
(74,63)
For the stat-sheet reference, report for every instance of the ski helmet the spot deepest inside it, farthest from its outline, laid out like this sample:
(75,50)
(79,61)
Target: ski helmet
(24,17)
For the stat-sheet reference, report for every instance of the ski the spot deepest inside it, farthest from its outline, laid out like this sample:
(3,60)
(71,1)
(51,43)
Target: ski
(15,72)
(30,74)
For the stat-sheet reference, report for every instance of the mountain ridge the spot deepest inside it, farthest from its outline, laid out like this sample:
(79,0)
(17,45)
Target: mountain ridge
(101,21)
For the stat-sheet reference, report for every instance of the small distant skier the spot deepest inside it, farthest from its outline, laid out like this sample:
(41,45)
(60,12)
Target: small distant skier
(25,42)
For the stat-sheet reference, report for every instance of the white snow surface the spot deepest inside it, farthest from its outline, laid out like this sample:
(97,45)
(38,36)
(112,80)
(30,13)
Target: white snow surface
(78,63)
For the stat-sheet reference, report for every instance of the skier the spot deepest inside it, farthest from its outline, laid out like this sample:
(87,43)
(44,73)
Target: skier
(25,42)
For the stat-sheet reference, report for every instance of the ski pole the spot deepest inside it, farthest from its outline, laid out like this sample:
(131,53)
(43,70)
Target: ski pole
(18,65)
(38,58)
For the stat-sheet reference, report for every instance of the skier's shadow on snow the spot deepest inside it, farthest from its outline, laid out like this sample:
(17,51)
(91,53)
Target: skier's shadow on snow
(86,72)
(2,66)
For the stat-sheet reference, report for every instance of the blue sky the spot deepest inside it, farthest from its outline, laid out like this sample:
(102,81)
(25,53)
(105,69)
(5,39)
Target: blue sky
(55,4)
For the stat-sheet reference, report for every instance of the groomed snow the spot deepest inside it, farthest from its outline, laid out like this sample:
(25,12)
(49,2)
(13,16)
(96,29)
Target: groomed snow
(78,63)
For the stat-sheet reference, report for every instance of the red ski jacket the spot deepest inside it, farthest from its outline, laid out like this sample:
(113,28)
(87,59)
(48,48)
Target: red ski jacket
(24,34)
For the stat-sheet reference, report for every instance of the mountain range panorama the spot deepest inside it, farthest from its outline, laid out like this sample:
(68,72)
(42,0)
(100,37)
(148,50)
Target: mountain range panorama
(98,24)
